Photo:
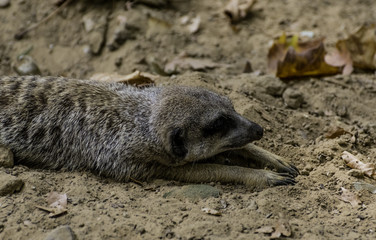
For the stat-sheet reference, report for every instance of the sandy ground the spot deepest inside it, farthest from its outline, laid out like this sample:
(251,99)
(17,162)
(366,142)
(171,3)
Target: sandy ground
(100,208)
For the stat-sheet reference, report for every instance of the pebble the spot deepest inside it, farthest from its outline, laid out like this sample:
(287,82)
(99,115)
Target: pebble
(6,157)
(26,66)
(367,186)
(193,192)
(4,3)
(355,173)
(273,86)
(293,98)
(61,233)
(9,184)
(96,28)
(121,33)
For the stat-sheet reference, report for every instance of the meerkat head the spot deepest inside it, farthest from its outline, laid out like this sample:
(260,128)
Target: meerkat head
(195,124)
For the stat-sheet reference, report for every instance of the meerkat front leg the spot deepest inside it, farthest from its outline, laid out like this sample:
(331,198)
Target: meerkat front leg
(253,156)
(227,174)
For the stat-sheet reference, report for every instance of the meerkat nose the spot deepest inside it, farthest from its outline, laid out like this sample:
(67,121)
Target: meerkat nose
(257,130)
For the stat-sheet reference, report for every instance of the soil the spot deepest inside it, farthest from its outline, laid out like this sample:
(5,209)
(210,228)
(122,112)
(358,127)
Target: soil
(100,208)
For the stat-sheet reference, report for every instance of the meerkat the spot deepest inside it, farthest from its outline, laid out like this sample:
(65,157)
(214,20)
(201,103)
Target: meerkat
(119,131)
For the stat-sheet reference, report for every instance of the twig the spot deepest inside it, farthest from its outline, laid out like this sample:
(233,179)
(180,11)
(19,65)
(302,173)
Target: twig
(21,34)
(136,181)
(335,82)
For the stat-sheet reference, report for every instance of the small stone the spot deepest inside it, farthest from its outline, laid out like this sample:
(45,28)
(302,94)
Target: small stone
(293,98)
(4,3)
(193,192)
(96,27)
(355,173)
(26,66)
(6,157)
(61,233)
(118,61)
(274,86)
(252,205)
(363,185)
(9,184)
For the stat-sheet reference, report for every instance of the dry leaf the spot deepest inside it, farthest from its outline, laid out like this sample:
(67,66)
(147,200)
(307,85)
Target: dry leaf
(358,50)
(290,57)
(57,204)
(236,10)
(136,78)
(184,62)
(55,199)
(340,58)
(350,197)
(335,132)
(211,211)
(280,228)
(367,168)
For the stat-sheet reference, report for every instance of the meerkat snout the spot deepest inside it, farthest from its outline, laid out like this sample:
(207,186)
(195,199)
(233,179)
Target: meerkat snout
(256,131)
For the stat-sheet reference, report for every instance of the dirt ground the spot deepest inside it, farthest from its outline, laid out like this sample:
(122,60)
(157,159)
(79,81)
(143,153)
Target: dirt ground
(100,208)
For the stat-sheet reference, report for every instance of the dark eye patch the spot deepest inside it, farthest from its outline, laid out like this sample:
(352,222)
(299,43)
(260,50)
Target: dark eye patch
(220,125)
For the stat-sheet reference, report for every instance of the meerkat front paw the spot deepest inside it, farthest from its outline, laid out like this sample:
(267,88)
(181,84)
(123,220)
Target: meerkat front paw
(278,179)
(285,167)
(266,178)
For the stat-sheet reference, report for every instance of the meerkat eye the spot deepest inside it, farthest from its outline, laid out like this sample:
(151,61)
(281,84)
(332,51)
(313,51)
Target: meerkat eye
(220,125)
(177,143)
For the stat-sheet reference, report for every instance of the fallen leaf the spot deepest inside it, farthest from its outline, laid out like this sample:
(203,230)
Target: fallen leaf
(137,78)
(350,197)
(367,168)
(237,10)
(55,199)
(290,57)
(358,50)
(211,211)
(335,132)
(57,204)
(280,228)
(184,62)
(340,58)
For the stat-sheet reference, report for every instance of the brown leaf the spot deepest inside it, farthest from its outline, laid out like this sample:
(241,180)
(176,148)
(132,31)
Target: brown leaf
(358,50)
(350,197)
(280,228)
(236,10)
(335,132)
(290,57)
(340,58)
(184,62)
(137,78)
(367,168)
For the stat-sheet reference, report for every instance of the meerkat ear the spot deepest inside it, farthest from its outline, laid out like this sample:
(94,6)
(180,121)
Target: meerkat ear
(177,143)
